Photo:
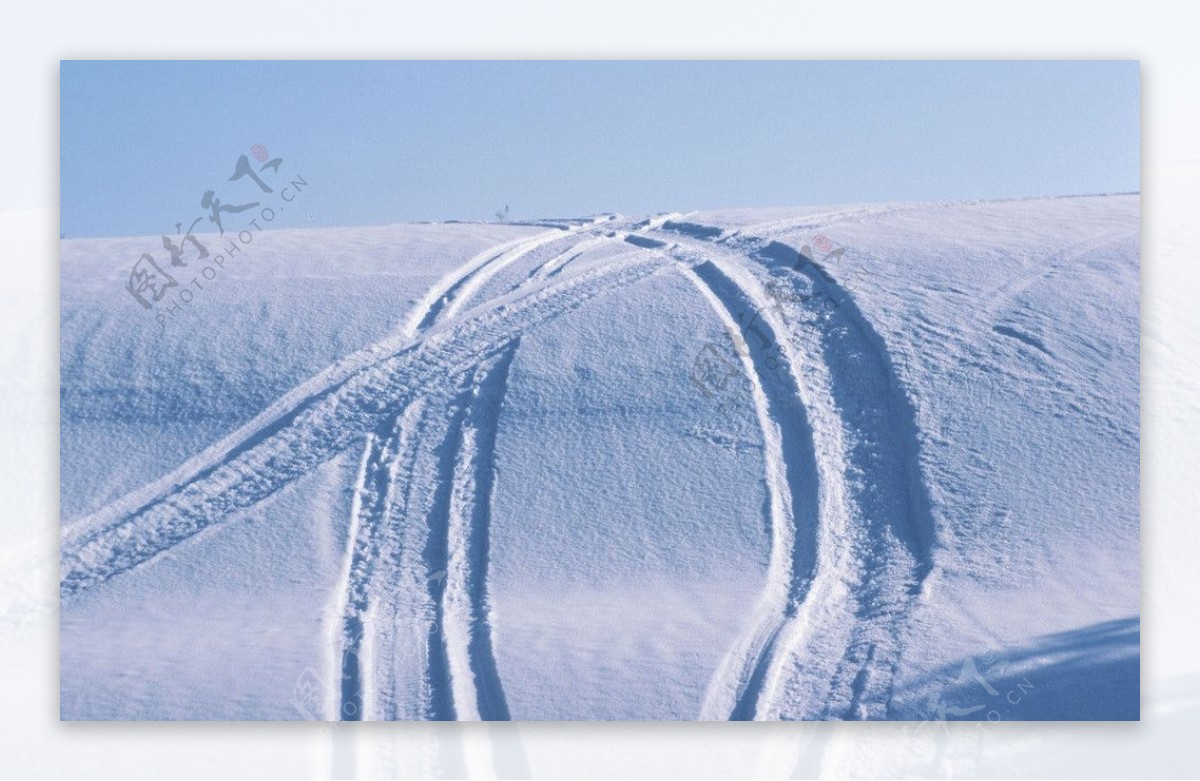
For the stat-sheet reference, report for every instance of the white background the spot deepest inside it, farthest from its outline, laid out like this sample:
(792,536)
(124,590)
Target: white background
(33,37)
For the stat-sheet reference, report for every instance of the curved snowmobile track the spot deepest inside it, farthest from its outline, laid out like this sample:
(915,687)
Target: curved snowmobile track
(792,486)
(837,638)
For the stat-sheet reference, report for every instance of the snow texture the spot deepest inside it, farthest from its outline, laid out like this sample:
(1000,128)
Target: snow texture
(858,462)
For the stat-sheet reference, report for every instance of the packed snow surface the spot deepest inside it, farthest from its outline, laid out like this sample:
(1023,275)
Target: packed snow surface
(858,462)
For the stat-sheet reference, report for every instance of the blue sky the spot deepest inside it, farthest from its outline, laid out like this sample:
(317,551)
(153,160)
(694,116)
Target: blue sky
(384,142)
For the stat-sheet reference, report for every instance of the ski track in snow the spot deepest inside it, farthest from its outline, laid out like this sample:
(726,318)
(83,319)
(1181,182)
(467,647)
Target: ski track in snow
(874,535)
(368,515)
(478,693)
(435,698)
(850,529)
(792,517)
(461,680)
(320,426)
(889,504)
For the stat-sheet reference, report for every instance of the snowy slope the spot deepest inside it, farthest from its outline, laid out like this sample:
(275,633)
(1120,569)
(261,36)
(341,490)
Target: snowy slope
(614,468)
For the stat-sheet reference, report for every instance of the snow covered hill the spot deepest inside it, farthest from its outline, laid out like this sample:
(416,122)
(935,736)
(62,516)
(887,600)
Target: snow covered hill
(860,462)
